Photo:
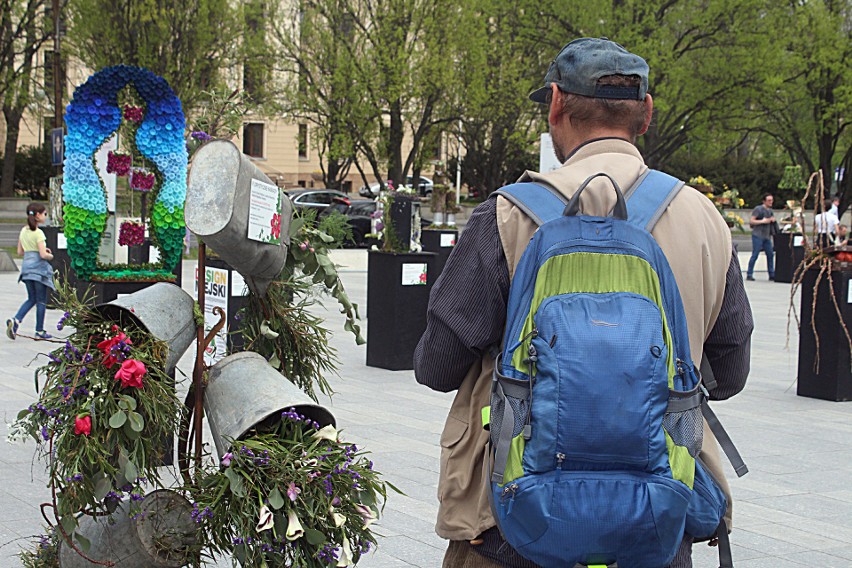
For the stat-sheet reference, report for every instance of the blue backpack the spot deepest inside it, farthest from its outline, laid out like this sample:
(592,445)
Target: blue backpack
(596,406)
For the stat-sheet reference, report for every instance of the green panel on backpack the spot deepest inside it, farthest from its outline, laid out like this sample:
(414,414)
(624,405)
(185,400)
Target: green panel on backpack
(595,273)
(682,464)
(514,467)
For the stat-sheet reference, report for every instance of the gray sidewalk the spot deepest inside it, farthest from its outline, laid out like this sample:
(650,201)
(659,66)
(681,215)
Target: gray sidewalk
(793,509)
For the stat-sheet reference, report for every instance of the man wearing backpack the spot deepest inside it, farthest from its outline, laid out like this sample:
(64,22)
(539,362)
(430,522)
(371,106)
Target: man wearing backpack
(598,106)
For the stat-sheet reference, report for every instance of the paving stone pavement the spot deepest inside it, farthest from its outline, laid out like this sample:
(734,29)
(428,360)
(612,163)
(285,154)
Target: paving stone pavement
(793,509)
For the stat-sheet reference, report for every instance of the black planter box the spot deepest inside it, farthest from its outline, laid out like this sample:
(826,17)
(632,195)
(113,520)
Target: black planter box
(55,241)
(788,257)
(139,254)
(436,240)
(834,379)
(396,313)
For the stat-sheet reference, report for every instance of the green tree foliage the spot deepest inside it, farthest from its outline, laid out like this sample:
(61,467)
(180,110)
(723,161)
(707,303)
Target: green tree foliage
(22,33)
(376,77)
(189,43)
(805,95)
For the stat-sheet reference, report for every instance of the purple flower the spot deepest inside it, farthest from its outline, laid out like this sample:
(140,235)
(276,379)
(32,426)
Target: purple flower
(293,491)
(226,459)
(201,136)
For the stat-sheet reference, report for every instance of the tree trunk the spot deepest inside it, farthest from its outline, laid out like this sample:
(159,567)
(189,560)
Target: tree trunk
(13,127)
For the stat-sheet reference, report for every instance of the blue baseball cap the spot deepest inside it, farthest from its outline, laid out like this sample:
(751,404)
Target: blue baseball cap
(581,63)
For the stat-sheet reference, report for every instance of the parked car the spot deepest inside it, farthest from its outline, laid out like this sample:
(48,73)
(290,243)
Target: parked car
(357,212)
(425,187)
(317,199)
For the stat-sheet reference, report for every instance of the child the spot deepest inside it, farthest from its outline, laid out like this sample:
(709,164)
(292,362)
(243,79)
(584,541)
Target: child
(36,271)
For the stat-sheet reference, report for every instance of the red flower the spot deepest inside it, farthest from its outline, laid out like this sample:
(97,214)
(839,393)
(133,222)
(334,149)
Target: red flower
(83,425)
(131,373)
(423,277)
(133,113)
(107,344)
(276,225)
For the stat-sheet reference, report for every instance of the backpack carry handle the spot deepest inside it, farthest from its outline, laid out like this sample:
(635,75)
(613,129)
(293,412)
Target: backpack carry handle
(618,212)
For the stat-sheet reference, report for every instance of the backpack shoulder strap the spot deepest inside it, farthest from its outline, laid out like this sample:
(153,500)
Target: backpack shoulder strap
(539,202)
(649,197)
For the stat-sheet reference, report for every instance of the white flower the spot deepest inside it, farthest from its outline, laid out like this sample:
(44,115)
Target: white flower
(326,433)
(294,527)
(339,519)
(265,521)
(367,514)
(346,555)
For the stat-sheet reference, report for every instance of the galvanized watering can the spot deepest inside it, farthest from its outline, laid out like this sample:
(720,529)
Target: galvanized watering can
(165,310)
(244,392)
(227,199)
(162,537)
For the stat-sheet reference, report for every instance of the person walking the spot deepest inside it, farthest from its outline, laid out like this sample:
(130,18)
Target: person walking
(826,224)
(36,272)
(596,92)
(762,221)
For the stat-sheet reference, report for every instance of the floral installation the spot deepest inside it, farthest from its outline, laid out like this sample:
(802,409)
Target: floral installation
(281,327)
(103,415)
(131,233)
(155,130)
(293,496)
(119,163)
(142,180)
(727,198)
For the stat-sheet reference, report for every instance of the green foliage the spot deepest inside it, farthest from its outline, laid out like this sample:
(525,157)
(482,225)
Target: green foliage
(101,437)
(292,496)
(45,553)
(751,178)
(33,171)
(186,43)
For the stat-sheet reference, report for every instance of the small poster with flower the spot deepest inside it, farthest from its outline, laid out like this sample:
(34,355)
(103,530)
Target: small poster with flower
(414,274)
(264,223)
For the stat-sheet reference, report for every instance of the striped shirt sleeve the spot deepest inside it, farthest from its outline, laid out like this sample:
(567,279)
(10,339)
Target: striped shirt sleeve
(467,305)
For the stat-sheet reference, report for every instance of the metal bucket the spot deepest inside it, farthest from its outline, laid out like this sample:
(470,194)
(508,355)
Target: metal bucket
(218,200)
(165,310)
(162,537)
(244,391)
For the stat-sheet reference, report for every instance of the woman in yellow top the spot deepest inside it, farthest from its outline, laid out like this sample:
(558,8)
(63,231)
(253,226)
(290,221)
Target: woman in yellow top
(36,271)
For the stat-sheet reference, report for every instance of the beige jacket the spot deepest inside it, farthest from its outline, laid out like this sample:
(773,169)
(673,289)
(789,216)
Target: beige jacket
(697,244)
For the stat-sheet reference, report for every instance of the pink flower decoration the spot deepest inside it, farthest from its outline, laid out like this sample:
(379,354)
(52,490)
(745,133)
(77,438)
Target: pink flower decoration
(131,373)
(141,180)
(131,233)
(118,163)
(133,113)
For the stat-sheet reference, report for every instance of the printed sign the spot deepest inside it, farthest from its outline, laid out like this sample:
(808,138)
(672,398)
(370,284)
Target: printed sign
(414,274)
(264,223)
(798,240)
(57,146)
(849,293)
(448,240)
(547,160)
(61,241)
(216,283)
(238,284)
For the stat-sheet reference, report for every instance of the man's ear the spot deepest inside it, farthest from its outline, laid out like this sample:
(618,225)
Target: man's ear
(649,112)
(555,105)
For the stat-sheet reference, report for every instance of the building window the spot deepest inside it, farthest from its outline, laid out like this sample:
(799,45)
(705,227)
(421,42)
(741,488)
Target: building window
(303,141)
(253,139)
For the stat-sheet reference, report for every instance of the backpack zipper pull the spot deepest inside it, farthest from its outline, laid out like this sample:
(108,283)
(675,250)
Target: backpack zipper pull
(679,363)
(560,457)
(509,489)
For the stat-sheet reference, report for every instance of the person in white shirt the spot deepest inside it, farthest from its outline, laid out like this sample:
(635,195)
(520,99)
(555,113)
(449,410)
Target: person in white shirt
(826,225)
